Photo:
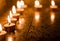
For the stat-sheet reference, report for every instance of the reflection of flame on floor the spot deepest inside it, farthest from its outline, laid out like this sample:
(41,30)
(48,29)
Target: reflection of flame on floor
(21,23)
(52,17)
(10,38)
(37,16)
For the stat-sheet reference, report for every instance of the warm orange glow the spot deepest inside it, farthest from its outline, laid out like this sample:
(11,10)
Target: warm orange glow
(37,16)
(37,3)
(18,4)
(9,20)
(52,3)
(10,14)
(14,9)
(10,39)
(52,17)
(0,27)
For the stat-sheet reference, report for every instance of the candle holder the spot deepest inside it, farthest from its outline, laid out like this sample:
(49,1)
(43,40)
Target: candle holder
(2,35)
(20,11)
(9,27)
(14,20)
(16,16)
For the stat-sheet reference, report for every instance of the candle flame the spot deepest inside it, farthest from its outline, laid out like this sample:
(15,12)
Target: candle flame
(52,3)
(10,39)
(37,3)
(10,14)
(52,17)
(14,9)
(0,27)
(22,3)
(37,16)
(9,20)
(18,4)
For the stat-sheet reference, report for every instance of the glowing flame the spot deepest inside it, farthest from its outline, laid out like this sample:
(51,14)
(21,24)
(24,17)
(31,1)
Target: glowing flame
(37,3)
(14,9)
(52,3)
(18,4)
(9,20)
(52,17)
(22,3)
(10,14)
(10,39)
(37,16)
(0,27)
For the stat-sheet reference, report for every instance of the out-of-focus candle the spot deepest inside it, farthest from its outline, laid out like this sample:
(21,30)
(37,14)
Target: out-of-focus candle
(19,7)
(37,16)
(52,17)
(2,33)
(53,4)
(15,15)
(9,27)
(23,4)
(13,20)
(37,4)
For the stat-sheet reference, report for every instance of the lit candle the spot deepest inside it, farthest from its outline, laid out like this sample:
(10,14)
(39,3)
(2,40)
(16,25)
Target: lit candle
(15,15)
(37,16)
(9,27)
(13,20)
(2,33)
(19,7)
(22,4)
(53,4)
(52,17)
(37,4)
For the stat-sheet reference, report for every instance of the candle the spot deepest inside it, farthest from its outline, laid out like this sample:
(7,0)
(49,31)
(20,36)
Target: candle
(52,17)
(13,20)
(9,27)
(15,15)
(2,33)
(19,7)
(53,4)
(22,4)
(37,4)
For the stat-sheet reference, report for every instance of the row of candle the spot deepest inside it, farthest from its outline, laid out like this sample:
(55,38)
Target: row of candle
(38,5)
(12,18)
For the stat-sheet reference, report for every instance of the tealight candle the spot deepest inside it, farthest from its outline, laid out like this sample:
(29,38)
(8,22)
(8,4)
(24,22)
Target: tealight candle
(13,20)
(2,33)
(15,15)
(53,4)
(19,8)
(37,4)
(9,27)
(22,4)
